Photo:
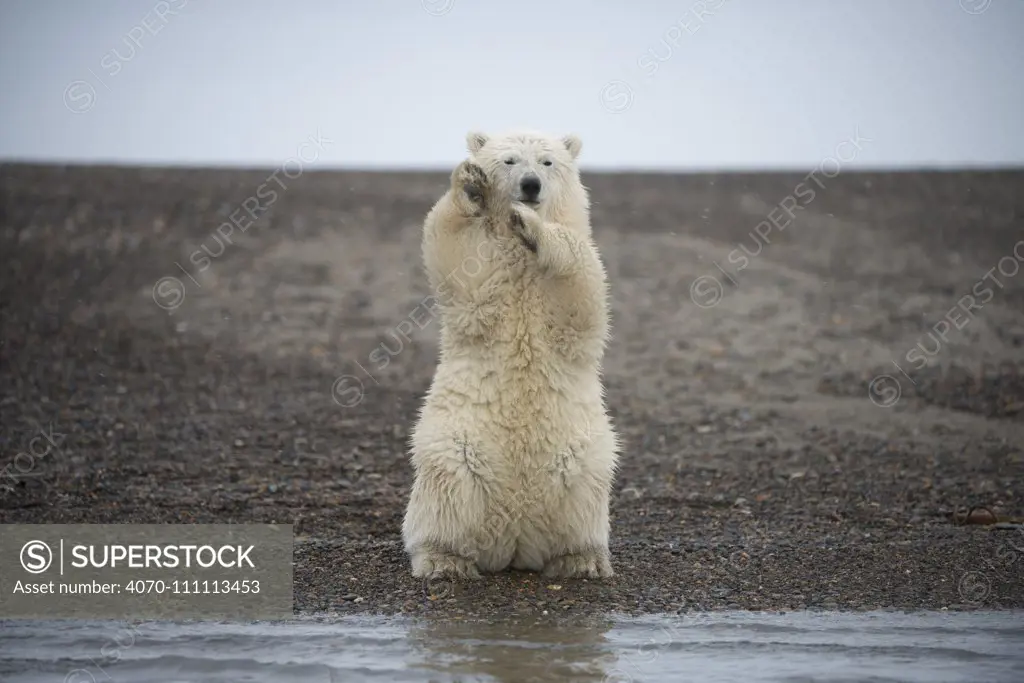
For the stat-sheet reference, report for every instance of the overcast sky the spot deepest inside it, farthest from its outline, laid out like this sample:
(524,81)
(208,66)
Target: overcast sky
(397,83)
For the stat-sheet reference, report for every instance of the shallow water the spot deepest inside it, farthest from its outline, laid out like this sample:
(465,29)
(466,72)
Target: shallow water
(738,646)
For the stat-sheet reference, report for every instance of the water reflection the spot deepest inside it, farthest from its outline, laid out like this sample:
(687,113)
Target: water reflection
(520,651)
(828,647)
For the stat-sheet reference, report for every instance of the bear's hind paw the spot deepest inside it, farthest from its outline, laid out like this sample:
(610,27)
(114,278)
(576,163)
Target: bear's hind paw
(589,564)
(435,565)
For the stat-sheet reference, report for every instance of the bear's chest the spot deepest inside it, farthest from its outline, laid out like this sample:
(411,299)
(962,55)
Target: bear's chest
(540,315)
(511,308)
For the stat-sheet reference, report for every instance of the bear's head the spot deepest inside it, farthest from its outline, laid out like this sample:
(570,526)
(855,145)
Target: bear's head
(536,169)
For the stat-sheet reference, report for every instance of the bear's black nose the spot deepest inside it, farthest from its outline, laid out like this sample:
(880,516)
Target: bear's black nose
(530,187)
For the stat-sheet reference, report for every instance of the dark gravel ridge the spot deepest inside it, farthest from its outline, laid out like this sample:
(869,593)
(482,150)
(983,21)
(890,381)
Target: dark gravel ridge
(757,471)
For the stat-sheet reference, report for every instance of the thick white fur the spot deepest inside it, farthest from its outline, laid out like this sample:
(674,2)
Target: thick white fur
(514,453)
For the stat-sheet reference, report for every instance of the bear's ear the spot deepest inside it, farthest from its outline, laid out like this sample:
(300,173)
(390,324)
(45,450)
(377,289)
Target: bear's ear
(475,141)
(573,144)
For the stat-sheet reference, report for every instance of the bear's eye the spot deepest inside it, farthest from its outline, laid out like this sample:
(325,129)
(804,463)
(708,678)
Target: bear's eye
(548,162)
(510,162)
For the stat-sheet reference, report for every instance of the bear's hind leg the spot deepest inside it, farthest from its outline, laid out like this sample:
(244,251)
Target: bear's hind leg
(453,526)
(579,526)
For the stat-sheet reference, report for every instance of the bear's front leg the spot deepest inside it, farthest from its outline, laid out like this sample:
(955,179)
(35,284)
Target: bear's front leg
(558,251)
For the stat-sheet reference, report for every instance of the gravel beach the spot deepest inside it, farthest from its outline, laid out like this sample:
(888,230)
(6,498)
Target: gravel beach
(813,415)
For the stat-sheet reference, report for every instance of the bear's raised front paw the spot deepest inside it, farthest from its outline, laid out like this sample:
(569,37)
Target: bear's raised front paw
(523,221)
(434,565)
(471,180)
(591,564)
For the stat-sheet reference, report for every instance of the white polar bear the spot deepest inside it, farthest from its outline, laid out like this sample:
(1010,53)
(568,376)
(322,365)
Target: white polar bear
(514,452)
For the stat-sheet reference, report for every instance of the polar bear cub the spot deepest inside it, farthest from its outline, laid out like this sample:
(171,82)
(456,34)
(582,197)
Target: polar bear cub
(514,453)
